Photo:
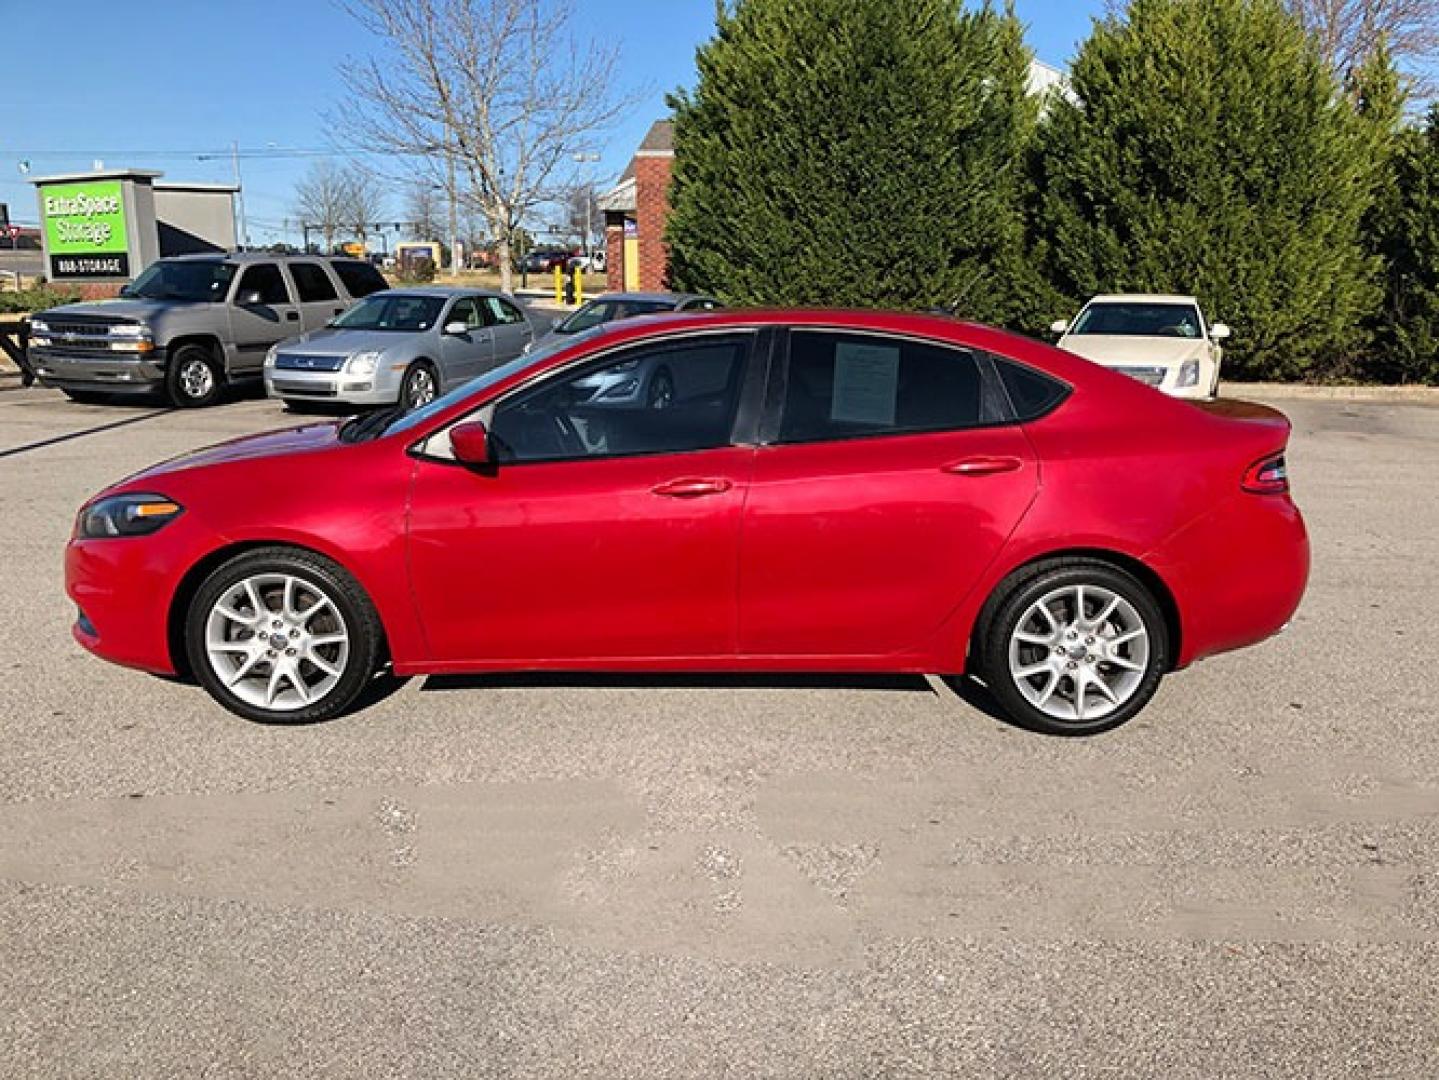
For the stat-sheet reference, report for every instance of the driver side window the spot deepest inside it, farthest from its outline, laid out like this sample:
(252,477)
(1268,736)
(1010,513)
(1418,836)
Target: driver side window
(661,399)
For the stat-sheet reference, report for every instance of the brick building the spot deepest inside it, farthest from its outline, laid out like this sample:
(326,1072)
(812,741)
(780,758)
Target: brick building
(635,212)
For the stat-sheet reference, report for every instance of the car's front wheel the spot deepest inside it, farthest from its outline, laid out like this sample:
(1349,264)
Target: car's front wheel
(1076,647)
(192,378)
(421,385)
(280,635)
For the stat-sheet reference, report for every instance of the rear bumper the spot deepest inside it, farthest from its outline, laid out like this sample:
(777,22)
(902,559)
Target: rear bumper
(1237,574)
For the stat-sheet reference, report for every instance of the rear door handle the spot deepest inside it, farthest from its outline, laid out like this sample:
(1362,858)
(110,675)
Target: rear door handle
(982,466)
(691,488)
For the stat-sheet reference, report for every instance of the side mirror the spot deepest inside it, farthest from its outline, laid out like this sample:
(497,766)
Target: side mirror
(248,298)
(471,443)
(457,328)
(1219,332)
(1059,327)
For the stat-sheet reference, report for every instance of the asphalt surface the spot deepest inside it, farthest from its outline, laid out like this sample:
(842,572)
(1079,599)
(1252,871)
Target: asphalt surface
(519,876)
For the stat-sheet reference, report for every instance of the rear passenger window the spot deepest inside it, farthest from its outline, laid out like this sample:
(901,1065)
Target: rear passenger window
(265,279)
(312,282)
(501,312)
(1031,393)
(359,278)
(843,386)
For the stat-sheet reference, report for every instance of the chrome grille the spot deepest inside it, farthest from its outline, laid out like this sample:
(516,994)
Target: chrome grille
(1150,376)
(302,362)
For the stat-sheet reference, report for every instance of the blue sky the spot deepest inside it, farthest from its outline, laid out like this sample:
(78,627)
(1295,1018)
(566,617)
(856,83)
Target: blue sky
(265,71)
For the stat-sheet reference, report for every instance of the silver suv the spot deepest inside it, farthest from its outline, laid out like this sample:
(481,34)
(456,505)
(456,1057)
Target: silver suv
(190,325)
(402,346)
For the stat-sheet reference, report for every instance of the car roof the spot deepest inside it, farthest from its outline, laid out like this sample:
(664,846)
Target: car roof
(440,290)
(655,297)
(1143,298)
(257,256)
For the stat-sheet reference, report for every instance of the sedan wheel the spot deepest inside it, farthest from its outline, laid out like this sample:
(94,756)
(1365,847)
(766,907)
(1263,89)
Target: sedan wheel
(282,636)
(1077,648)
(420,387)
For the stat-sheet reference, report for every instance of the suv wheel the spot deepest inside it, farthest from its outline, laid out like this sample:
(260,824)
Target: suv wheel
(192,379)
(1075,648)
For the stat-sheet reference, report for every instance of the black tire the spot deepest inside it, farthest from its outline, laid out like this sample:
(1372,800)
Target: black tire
(192,378)
(661,391)
(1015,597)
(410,388)
(324,578)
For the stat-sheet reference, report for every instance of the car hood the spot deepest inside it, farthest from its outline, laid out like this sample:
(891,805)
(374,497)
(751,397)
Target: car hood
(121,308)
(298,440)
(332,342)
(1103,349)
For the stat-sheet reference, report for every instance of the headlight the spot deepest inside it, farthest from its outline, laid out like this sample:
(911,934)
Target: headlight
(1188,374)
(270,356)
(363,363)
(39,326)
(131,337)
(127,515)
(129,330)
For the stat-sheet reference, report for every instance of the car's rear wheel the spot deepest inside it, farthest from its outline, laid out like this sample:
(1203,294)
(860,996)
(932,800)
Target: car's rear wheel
(283,636)
(1076,647)
(421,385)
(192,378)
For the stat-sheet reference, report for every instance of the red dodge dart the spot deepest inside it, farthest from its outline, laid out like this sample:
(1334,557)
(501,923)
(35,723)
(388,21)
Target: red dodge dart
(820,491)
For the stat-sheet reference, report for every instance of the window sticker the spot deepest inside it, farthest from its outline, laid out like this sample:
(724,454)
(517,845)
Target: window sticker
(866,383)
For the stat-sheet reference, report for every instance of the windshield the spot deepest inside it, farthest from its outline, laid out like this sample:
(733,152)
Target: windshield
(193,280)
(473,388)
(1139,320)
(392,311)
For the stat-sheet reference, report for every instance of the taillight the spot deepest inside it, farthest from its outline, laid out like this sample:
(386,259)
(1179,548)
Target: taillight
(1267,476)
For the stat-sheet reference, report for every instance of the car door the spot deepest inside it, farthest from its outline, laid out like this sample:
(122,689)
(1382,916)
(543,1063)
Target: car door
(465,355)
(262,312)
(888,482)
(319,299)
(604,533)
(512,331)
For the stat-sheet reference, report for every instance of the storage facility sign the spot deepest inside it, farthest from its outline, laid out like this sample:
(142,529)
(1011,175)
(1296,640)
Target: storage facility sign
(85,229)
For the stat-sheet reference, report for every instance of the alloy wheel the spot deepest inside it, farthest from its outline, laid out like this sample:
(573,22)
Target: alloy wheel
(419,388)
(197,379)
(1079,653)
(277,641)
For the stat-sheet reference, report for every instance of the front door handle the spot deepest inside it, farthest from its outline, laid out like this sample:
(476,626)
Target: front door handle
(293,316)
(982,466)
(691,487)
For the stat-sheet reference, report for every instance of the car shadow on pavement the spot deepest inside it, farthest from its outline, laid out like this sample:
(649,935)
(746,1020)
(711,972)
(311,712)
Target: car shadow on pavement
(98,429)
(582,680)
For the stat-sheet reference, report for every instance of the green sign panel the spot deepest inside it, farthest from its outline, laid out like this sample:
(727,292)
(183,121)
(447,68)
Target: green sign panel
(85,229)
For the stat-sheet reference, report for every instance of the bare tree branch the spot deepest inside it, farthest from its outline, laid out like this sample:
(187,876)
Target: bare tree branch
(1349,31)
(501,87)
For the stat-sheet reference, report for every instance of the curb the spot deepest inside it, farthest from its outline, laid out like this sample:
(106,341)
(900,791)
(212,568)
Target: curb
(1381,395)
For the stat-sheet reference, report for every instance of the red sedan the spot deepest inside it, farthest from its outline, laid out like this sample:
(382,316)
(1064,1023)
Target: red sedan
(821,492)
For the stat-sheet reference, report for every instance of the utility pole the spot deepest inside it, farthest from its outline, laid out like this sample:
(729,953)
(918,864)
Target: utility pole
(588,159)
(243,239)
(454,203)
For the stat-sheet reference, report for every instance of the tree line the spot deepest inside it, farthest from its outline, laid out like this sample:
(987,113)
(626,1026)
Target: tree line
(1260,154)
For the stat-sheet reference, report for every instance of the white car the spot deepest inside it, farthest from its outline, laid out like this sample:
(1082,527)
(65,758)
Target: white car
(1163,341)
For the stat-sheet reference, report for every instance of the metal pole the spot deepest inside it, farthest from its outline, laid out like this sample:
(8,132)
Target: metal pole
(243,240)
(454,204)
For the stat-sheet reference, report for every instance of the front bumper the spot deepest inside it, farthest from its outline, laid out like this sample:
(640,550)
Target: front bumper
(379,388)
(88,371)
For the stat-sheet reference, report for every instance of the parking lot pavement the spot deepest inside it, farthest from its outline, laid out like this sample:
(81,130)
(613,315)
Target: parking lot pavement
(749,877)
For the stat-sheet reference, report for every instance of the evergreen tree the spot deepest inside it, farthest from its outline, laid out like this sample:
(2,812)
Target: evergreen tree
(859,153)
(1210,151)
(1406,235)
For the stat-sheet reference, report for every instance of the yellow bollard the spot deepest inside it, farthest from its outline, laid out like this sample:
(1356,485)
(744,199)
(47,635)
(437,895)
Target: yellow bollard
(559,285)
(579,286)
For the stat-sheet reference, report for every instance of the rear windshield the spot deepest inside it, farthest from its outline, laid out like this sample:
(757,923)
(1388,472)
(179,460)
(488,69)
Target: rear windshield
(360,279)
(392,311)
(1139,320)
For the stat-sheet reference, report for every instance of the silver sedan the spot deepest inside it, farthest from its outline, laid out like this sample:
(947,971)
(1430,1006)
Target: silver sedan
(401,346)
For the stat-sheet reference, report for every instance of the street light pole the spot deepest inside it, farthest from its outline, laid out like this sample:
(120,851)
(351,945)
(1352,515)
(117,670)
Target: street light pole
(588,159)
(244,236)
